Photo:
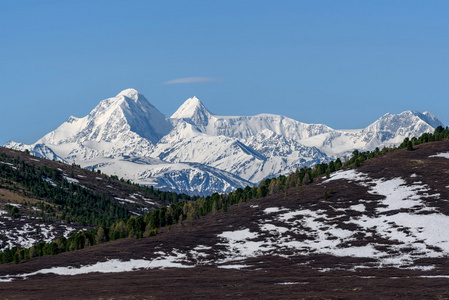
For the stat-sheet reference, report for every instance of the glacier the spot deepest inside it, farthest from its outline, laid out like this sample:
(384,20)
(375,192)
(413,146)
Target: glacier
(199,153)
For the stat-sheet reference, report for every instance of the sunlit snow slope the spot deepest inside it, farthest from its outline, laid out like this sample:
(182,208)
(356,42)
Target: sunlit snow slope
(197,152)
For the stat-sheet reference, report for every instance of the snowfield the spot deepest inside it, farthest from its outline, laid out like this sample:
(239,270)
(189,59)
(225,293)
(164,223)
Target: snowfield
(197,152)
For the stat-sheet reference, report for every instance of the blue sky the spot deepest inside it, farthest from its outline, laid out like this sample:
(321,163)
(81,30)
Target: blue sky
(341,63)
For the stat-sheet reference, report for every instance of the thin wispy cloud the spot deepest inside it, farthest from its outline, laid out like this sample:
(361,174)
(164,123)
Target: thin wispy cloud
(193,80)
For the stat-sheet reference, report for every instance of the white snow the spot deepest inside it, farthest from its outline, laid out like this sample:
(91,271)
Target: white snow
(444,155)
(71,180)
(358,207)
(49,180)
(68,231)
(202,247)
(237,267)
(400,216)
(274,228)
(237,235)
(201,152)
(125,200)
(272,210)
(26,235)
(110,266)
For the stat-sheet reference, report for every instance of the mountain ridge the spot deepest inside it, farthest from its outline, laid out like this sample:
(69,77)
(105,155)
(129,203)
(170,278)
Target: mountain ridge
(127,127)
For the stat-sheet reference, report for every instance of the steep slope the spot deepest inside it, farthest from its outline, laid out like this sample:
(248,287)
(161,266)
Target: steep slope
(123,125)
(188,178)
(253,148)
(194,111)
(119,136)
(379,233)
(126,136)
(283,144)
(43,194)
(187,144)
(387,131)
(114,119)
(244,127)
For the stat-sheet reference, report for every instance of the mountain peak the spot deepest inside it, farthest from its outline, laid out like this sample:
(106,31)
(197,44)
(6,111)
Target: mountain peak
(430,119)
(408,123)
(130,93)
(190,108)
(426,116)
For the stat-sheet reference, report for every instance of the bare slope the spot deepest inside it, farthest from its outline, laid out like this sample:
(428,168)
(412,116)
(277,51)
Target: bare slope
(381,232)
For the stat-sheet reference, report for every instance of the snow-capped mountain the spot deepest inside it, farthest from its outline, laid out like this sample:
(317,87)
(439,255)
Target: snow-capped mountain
(389,130)
(244,127)
(123,125)
(197,152)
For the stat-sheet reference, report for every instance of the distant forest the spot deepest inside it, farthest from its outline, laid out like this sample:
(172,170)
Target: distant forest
(83,206)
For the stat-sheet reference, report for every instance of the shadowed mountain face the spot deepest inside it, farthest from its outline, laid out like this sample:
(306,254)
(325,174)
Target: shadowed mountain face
(197,152)
(378,231)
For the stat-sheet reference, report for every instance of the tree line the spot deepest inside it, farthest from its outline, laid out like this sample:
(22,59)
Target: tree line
(70,202)
(181,211)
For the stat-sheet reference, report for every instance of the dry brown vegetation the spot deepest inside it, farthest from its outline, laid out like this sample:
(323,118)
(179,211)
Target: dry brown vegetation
(266,275)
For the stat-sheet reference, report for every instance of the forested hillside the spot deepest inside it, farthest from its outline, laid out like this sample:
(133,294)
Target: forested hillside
(41,200)
(71,201)
(379,221)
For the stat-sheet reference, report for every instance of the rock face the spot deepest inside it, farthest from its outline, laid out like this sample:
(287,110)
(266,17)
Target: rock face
(197,152)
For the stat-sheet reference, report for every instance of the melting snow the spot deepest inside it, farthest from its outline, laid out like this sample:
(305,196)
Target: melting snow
(238,235)
(49,180)
(110,266)
(411,231)
(238,267)
(359,207)
(125,200)
(445,155)
(71,180)
(272,210)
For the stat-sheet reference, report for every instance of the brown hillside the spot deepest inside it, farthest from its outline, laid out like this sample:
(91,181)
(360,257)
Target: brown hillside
(41,219)
(379,231)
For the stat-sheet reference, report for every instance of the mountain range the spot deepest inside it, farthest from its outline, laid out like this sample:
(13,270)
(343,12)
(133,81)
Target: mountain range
(197,152)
